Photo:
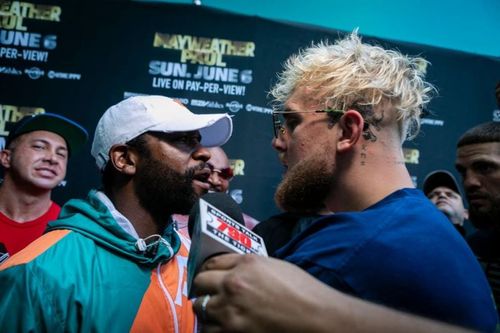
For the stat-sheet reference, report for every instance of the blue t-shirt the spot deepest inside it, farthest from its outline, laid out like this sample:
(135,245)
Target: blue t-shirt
(401,252)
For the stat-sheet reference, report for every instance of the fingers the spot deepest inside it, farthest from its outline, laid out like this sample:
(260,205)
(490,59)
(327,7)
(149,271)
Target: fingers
(221,262)
(224,272)
(208,282)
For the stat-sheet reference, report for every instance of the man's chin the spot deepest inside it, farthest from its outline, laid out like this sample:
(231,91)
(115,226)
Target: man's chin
(304,189)
(481,210)
(47,185)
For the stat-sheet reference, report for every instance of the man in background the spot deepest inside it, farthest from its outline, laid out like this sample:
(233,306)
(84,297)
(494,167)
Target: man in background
(221,175)
(34,162)
(113,261)
(442,189)
(478,162)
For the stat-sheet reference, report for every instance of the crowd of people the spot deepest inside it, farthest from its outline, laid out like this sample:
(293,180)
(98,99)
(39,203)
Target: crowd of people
(357,248)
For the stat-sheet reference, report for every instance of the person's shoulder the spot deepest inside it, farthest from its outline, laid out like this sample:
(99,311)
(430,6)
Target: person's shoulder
(485,244)
(406,204)
(402,197)
(283,221)
(35,251)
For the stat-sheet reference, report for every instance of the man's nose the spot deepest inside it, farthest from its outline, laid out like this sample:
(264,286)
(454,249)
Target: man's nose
(215,178)
(278,143)
(471,180)
(201,154)
(51,156)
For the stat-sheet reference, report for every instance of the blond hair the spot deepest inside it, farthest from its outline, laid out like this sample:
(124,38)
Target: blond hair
(350,73)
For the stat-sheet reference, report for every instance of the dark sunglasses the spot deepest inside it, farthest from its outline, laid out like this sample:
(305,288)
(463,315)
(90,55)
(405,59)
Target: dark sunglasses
(279,121)
(226,173)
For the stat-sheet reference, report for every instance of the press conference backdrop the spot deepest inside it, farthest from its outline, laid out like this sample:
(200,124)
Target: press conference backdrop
(77,58)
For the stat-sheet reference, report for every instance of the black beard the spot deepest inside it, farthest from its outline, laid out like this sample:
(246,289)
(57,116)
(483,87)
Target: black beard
(306,186)
(163,191)
(486,220)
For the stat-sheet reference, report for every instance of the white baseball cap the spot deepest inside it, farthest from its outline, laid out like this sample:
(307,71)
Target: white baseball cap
(139,114)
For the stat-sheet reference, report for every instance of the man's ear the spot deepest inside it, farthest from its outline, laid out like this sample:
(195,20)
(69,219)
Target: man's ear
(5,155)
(351,125)
(124,159)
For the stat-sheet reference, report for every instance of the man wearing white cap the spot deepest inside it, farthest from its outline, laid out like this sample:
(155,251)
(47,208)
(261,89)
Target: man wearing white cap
(113,262)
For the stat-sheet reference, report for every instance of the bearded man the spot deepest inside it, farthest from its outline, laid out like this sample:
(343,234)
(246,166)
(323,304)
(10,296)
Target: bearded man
(343,113)
(478,162)
(113,262)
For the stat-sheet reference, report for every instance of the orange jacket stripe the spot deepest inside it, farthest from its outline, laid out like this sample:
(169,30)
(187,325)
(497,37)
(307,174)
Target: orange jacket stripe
(167,290)
(36,248)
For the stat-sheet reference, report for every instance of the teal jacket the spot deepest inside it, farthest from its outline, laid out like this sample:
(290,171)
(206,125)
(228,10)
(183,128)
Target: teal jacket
(86,274)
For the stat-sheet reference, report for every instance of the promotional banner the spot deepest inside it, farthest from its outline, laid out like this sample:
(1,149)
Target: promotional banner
(78,58)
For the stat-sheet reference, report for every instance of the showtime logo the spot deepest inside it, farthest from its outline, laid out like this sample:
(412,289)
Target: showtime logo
(63,75)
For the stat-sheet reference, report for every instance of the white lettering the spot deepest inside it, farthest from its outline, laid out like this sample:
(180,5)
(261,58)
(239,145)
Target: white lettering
(34,55)
(231,89)
(159,82)
(7,52)
(19,38)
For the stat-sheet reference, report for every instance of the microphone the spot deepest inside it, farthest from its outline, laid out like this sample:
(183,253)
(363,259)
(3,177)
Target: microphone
(216,226)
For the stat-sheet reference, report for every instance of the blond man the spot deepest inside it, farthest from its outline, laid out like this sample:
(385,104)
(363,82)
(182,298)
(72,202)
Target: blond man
(343,111)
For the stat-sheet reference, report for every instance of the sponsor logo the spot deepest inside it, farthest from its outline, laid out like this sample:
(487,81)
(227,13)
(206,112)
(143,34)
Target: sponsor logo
(10,71)
(260,109)
(206,104)
(34,73)
(234,106)
(64,76)
(432,122)
(237,195)
(496,115)
(184,101)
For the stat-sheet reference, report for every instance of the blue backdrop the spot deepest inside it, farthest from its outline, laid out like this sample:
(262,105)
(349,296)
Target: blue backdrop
(78,58)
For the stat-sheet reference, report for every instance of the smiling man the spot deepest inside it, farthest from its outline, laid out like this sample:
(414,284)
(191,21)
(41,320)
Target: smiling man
(113,261)
(34,162)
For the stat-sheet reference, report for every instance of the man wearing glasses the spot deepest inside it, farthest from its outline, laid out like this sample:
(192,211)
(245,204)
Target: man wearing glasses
(343,113)
(221,174)
(220,177)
